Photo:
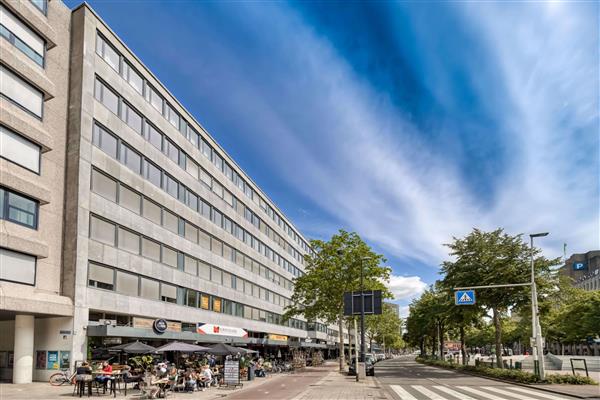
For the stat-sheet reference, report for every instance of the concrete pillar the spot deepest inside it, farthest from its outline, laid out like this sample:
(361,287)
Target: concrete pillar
(23,350)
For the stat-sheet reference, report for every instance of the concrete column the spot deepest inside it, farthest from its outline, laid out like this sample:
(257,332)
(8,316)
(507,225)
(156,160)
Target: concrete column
(23,363)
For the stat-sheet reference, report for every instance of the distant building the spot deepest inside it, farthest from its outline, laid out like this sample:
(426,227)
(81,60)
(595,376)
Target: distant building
(583,270)
(395,307)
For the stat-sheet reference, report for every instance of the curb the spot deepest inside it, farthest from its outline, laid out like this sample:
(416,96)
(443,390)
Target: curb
(540,388)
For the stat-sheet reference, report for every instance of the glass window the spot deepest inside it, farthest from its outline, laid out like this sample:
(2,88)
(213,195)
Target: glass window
(216,276)
(127,283)
(168,293)
(150,249)
(172,151)
(154,98)
(190,265)
(21,92)
(105,141)
(19,150)
(171,115)
(226,279)
(218,189)
(171,221)
(204,239)
(205,178)
(227,307)
(153,174)
(216,304)
(191,232)
(192,168)
(204,270)
(102,231)
(248,288)
(107,97)
(205,301)
(104,186)
(217,218)
(228,197)
(239,284)
(101,277)
(192,200)
(205,209)
(206,149)
(109,54)
(151,211)
(132,118)
(149,288)
(216,246)
(134,79)
(129,241)
(169,256)
(154,136)
(239,310)
(193,136)
(227,252)
(191,298)
(131,158)
(42,5)
(172,186)
(17,267)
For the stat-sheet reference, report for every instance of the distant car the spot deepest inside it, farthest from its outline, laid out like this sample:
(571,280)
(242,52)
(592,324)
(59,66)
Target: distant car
(369,366)
(380,356)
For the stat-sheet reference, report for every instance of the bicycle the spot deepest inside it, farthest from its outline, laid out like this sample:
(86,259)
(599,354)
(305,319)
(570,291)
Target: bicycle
(62,377)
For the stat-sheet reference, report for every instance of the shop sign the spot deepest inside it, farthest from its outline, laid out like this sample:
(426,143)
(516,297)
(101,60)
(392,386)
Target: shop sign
(308,340)
(159,325)
(231,374)
(273,336)
(211,329)
(147,323)
(111,340)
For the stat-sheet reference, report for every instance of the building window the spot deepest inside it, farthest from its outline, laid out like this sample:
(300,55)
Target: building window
(19,150)
(169,257)
(151,249)
(20,92)
(154,136)
(190,265)
(191,298)
(133,77)
(17,267)
(172,151)
(106,51)
(171,115)
(191,232)
(41,5)
(216,276)
(18,209)
(151,211)
(130,199)
(129,241)
(168,293)
(171,186)
(20,36)
(131,158)
(127,283)
(104,186)
(102,231)
(154,98)
(101,277)
(104,141)
(171,221)
(107,97)
(132,118)
(153,174)
(150,289)
(204,271)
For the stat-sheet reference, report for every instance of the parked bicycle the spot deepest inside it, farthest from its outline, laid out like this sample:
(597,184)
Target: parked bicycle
(63,377)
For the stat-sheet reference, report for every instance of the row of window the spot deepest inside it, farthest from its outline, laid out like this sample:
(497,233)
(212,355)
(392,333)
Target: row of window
(108,232)
(118,149)
(141,125)
(21,36)
(17,267)
(317,327)
(21,92)
(21,151)
(17,208)
(109,278)
(115,191)
(145,89)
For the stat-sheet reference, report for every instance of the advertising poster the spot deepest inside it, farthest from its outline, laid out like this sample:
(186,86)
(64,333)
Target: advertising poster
(65,357)
(52,362)
(40,359)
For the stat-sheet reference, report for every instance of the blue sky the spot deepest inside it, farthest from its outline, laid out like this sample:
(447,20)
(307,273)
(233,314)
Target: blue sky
(407,122)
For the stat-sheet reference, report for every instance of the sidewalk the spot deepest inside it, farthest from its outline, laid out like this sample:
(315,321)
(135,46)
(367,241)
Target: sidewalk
(336,386)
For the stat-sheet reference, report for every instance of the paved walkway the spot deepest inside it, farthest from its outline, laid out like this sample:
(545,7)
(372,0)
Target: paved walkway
(336,386)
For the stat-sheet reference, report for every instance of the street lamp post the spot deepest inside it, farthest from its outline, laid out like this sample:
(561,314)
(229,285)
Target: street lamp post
(362,311)
(538,349)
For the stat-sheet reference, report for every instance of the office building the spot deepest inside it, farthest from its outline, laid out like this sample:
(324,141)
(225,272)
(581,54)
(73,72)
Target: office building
(582,268)
(165,236)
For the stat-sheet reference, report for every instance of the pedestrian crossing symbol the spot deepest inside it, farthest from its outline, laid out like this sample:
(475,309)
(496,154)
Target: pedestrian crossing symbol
(464,297)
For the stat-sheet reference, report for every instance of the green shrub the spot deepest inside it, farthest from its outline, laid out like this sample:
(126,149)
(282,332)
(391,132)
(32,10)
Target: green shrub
(514,375)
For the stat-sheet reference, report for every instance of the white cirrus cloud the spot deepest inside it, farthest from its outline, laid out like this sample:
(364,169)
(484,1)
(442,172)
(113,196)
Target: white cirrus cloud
(406,287)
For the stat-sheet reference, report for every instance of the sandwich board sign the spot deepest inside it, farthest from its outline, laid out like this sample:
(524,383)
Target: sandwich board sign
(464,297)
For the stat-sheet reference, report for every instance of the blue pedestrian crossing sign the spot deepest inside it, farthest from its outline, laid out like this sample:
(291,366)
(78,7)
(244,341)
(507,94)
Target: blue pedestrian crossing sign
(464,297)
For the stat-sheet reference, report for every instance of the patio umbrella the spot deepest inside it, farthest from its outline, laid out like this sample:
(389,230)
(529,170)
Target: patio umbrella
(181,347)
(244,350)
(222,349)
(136,347)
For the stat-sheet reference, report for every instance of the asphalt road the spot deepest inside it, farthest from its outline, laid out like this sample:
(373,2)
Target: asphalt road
(405,379)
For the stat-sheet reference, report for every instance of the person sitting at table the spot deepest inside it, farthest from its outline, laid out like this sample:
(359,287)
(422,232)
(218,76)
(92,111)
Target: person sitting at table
(190,381)
(151,387)
(259,371)
(205,377)
(106,373)
(84,375)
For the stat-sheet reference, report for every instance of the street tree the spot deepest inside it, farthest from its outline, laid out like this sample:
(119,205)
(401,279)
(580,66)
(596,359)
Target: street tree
(384,328)
(332,268)
(490,258)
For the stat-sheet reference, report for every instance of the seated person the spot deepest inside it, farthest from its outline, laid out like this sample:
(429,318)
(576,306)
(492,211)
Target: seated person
(106,374)
(190,381)
(84,374)
(205,377)
(150,387)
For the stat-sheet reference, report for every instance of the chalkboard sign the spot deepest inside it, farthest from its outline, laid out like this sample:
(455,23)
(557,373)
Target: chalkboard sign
(231,373)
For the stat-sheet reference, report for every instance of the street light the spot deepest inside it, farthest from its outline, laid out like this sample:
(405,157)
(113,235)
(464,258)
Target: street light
(538,350)
(362,311)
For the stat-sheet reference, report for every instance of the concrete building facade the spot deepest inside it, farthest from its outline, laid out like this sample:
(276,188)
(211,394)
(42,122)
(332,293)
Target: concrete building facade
(583,269)
(122,218)
(34,80)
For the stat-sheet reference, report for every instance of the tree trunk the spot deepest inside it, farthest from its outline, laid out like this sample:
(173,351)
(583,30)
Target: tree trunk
(422,346)
(463,351)
(498,330)
(442,343)
(341,337)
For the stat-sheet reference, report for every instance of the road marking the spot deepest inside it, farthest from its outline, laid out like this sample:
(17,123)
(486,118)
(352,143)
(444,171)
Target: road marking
(537,393)
(516,395)
(404,395)
(427,392)
(486,396)
(454,393)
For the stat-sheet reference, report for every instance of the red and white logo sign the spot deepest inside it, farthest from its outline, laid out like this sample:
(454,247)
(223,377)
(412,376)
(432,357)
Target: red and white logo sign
(221,330)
